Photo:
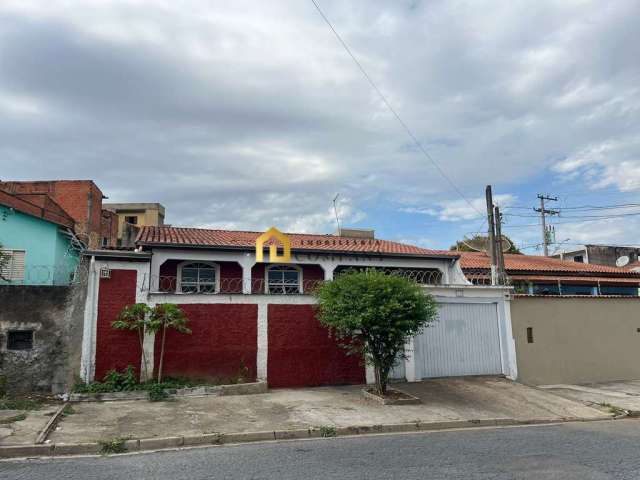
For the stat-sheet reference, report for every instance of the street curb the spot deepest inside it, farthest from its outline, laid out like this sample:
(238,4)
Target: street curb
(162,443)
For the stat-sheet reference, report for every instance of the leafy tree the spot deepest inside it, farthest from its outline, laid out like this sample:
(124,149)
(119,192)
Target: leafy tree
(460,246)
(166,316)
(135,318)
(374,314)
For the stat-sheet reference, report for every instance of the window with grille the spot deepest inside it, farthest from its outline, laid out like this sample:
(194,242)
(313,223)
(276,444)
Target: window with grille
(283,279)
(12,265)
(198,278)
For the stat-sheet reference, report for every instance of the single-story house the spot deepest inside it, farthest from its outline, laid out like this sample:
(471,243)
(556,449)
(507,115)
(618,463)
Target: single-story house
(256,318)
(538,275)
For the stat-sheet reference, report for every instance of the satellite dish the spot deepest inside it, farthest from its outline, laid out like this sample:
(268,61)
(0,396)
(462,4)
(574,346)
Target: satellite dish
(480,243)
(622,261)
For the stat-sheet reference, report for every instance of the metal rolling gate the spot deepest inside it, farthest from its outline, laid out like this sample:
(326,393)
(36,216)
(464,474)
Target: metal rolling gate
(464,341)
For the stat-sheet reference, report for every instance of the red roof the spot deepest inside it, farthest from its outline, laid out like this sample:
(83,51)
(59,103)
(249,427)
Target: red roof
(37,205)
(532,263)
(198,237)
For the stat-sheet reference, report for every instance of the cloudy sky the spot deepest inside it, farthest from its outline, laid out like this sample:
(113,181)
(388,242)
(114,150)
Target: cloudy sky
(247,114)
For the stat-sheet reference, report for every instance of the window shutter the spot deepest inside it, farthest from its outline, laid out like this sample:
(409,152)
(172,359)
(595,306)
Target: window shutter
(13,268)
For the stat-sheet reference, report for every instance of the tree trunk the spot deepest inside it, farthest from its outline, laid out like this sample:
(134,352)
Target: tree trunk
(144,356)
(164,331)
(378,380)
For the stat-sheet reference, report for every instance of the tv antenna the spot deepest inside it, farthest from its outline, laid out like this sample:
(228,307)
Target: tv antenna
(335,211)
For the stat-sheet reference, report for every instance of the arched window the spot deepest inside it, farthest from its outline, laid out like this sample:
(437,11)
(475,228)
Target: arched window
(198,277)
(284,279)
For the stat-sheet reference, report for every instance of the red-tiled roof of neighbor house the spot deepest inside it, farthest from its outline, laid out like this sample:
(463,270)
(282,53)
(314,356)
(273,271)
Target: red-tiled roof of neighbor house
(632,266)
(197,237)
(37,205)
(586,280)
(531,263)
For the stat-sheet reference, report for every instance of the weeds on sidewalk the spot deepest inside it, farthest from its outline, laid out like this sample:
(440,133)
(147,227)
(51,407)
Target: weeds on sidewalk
(16,418)
(327,431)
(68,410)
(113,446)
(7,403)
(613,409)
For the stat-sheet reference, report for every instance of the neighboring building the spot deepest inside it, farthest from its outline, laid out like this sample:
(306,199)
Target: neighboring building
(538,275)
(38,241)
(609,255)
(80,199)
(137,214)
(108,229)
(257,319)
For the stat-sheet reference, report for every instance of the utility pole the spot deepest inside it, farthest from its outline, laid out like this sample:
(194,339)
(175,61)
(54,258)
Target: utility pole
(498,247)
(543,211)
(491,233)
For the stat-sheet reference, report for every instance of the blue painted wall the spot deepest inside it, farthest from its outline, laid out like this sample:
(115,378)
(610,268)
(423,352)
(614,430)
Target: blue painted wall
(46,247)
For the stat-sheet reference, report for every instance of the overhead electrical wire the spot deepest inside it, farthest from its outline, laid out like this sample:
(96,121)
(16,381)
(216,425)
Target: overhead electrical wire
(393,111)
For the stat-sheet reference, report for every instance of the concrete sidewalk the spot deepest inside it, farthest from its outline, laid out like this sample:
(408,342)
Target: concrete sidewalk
(459,399)
(622,394)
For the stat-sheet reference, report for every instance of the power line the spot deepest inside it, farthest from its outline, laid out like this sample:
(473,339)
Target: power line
(392,110)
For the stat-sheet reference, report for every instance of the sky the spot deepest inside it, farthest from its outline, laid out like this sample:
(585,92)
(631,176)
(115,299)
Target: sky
(248,114)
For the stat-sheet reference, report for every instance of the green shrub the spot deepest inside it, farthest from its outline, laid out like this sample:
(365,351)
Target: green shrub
(157,392)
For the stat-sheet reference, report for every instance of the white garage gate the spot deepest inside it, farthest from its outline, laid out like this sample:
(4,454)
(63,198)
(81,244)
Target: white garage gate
(464,341)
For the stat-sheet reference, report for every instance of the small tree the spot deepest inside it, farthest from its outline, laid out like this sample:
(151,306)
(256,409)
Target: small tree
(163,317)
(377,313)
(134,318)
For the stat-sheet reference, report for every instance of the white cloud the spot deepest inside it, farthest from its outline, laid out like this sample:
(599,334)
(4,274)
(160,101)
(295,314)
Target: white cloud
(247,113)
(614,162)
(459,210)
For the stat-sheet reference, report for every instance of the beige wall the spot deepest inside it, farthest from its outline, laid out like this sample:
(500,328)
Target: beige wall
(576,340)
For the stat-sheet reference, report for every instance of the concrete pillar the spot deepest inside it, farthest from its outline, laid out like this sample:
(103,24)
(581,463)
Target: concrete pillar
(247,264)
(328,270)
(263,341)
(410,361)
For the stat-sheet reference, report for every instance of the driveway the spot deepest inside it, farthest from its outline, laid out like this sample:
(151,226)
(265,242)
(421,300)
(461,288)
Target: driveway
(622,394)
(478,398)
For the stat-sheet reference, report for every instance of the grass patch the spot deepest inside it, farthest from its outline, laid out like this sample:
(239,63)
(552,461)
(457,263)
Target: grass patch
(16,418)
(613,409)
(327,431)
(7,403)
(113,446)
(68,410)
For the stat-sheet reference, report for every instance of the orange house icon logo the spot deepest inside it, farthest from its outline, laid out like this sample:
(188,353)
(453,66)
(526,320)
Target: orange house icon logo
(273,233)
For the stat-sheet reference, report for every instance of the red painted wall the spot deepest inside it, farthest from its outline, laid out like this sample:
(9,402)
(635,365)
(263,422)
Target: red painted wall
(301,352)
(230,276)
(115,349)
(223,338)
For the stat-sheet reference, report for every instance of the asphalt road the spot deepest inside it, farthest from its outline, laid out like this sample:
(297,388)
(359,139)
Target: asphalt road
(597,450)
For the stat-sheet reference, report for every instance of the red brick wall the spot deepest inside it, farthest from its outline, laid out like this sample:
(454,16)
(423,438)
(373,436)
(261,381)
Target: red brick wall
(115,349)
(302,354)
(223,338)
(109,228)
(81,199)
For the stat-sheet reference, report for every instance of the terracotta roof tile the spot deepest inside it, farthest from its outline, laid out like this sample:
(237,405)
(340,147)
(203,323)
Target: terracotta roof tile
(197,237)
(531,263)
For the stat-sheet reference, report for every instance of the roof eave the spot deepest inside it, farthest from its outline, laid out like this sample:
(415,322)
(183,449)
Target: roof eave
(294,250)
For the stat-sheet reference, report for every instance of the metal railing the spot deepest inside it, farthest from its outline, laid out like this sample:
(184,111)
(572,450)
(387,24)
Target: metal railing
(236,285)
(58,275)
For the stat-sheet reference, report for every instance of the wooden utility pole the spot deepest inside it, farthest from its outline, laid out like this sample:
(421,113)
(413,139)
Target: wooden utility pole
(491,233)
(543,211)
